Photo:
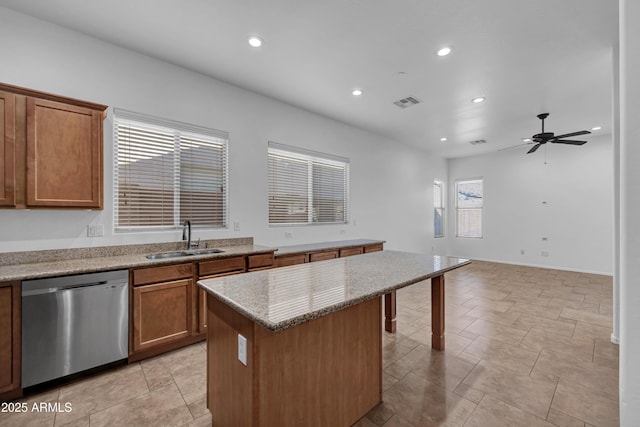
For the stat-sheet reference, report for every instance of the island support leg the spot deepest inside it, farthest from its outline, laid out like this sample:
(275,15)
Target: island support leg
(437,312)
(390,312)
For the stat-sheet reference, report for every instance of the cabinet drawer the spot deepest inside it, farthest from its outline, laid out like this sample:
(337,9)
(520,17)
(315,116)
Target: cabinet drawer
(373,248)
(260,261)
(167,273)
(284,260)
(351,251)
(321,256)
(221,266)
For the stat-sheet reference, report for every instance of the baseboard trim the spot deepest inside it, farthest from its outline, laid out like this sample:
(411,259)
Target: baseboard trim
(548,267)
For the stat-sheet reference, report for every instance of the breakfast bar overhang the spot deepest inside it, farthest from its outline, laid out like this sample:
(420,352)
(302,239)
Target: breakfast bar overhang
(302,345)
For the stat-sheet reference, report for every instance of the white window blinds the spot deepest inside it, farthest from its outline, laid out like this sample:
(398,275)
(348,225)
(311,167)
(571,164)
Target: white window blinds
(166,172)
(306,187)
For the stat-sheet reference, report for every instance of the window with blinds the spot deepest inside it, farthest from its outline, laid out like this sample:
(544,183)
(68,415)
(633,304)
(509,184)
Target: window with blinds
(167,172)
(469,200)
(306,187)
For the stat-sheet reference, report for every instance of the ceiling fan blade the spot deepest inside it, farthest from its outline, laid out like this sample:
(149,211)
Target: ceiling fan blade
(567,135)
(534,148)
(569,141)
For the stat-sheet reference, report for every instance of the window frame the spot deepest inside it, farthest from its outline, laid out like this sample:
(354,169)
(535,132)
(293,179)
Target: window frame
(459,209)
(310,157)
(187,134)
(442,207)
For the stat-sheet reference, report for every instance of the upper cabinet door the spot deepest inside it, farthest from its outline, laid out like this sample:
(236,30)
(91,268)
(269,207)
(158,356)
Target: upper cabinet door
(64,155)
(7,149)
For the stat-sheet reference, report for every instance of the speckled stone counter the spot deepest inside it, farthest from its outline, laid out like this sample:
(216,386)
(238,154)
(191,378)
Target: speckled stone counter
(304,342)
(284,297)
(52,263)
(322,246)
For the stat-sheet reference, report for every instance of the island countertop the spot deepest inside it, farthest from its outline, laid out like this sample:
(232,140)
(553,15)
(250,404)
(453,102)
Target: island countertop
(280,298)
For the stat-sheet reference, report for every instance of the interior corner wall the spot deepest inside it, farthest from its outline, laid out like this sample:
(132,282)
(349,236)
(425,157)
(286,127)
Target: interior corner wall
(391,192)
(559,213)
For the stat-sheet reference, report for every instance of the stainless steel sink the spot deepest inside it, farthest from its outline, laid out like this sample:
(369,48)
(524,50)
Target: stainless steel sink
(183,253)
(204,251)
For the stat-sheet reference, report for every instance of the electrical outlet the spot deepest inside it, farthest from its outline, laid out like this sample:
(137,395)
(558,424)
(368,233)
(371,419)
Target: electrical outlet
(521,251)
(343,231)
(544,253)
(288,235)
(95,230)
(236,225)
(242,349)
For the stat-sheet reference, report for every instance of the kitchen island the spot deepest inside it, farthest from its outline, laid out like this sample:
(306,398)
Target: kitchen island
(302,345)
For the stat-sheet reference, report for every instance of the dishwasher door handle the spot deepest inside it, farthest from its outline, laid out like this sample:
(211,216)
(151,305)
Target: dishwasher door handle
(27,293)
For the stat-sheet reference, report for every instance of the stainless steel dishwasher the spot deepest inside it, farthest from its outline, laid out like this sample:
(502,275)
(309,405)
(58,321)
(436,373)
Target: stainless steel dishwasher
(73,323)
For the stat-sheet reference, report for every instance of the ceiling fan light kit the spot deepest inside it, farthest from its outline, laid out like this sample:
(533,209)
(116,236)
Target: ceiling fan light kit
(544,137)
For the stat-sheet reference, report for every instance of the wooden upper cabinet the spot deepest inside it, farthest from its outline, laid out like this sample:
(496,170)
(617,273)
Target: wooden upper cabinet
(64,155)
(52,150)
(7,149)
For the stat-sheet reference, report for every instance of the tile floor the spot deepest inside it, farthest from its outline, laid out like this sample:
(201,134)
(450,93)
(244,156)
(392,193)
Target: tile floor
(524,347)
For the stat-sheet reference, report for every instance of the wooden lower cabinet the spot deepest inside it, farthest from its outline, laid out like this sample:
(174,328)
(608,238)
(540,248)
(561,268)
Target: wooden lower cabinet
(324,255)
(10,340)
(285,260)
(162,313)
(358,250)
(376,247)
(260,261)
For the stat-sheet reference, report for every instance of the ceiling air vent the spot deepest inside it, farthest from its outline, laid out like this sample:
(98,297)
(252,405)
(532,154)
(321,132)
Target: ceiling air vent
(478,141)
(407,102)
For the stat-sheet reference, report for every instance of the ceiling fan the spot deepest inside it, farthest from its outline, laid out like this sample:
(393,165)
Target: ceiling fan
(544,137)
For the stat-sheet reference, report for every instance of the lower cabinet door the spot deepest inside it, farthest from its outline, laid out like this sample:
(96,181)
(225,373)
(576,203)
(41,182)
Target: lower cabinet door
(9,337)
(161,313)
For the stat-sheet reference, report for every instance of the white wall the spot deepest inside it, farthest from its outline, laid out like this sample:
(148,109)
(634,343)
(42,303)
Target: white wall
(577,218)
(391,184)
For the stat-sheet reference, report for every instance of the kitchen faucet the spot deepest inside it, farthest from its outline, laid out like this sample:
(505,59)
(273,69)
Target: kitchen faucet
(186,234)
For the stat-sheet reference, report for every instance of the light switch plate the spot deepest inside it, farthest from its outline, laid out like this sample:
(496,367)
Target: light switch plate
(242,349)
(95,230)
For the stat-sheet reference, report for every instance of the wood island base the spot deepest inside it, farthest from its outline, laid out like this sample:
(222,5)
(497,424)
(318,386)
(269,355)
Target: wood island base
(325,372)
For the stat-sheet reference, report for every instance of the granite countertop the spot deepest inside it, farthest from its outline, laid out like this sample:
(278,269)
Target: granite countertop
(313,247)
(61,267)
(287,296)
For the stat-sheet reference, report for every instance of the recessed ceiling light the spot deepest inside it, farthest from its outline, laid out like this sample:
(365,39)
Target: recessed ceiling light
(356,92)
(478,100)
(444,51)
(255,41)
(596,128)
(443,139)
